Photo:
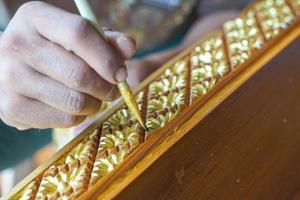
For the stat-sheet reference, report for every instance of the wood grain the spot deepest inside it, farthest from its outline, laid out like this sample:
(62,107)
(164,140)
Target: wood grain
(248,148)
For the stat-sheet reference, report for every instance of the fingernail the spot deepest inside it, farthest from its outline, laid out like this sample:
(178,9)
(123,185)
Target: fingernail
(121,74)
(128,45)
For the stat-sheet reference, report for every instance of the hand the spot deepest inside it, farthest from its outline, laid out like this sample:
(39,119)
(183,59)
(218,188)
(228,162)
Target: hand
(55,68)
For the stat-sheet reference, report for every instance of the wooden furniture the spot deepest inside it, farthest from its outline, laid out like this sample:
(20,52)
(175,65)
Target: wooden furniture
(210,136)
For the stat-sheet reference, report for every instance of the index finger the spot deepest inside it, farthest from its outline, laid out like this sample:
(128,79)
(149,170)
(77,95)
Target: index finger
(77,35)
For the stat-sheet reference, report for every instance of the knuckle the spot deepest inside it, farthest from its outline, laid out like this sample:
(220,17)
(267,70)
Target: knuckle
(28,8)
(8,122)
(8,74)
(79,75)
(24,9)
(108,63)
(11,107)
(81,29)
(13,41)
(76,102)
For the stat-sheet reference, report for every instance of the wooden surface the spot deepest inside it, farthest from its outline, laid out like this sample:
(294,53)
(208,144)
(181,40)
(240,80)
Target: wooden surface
(248,148)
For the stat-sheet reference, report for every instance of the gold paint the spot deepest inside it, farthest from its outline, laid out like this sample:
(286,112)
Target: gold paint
(242,36)
(120,135)
(209,64)
(167,95)
(129,99)
(28,192)
(67,178)
(160,121)
(274,16)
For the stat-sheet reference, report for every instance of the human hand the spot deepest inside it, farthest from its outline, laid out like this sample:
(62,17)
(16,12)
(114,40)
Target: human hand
(55,68)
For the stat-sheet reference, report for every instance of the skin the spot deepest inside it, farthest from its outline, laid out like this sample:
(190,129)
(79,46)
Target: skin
(56,69)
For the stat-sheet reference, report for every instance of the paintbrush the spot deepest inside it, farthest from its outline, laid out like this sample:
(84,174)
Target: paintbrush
(124,89)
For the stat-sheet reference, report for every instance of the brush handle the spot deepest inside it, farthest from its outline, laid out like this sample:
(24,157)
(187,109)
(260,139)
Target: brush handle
(87,13)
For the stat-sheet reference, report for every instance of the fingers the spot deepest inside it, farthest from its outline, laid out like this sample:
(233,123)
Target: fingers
(87,71)
(57,95)
(11,122)
(77,35)
(55,67)
(24,112)
(54,61)
(125,45)
(27,82)
(57,105)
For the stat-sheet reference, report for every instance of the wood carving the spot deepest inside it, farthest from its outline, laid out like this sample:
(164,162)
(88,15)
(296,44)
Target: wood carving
(102,158)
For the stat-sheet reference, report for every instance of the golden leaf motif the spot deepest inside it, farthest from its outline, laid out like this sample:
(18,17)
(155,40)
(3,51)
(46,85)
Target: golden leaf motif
(209,63)
(242,35)
(180,67)
(167,95)
(117,146)
(128,134)
(121,117)
(203,87)
(66,178)
(172,100)
(174,82)
(275,15)
(160,121)
(103,166)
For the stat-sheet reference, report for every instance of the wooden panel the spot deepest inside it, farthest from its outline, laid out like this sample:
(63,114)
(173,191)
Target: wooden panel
(247,148)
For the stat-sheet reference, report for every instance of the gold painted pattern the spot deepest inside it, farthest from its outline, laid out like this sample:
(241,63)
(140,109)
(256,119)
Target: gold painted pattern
(180,84)
(274,16)
(243,36)
(28,192)
(69,177)
(209,63)
(167,95)
(121,133)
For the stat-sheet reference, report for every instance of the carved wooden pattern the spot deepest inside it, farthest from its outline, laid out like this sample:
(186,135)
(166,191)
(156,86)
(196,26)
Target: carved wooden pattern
(180,84)
(166,95)
(243,36)
(208,64)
